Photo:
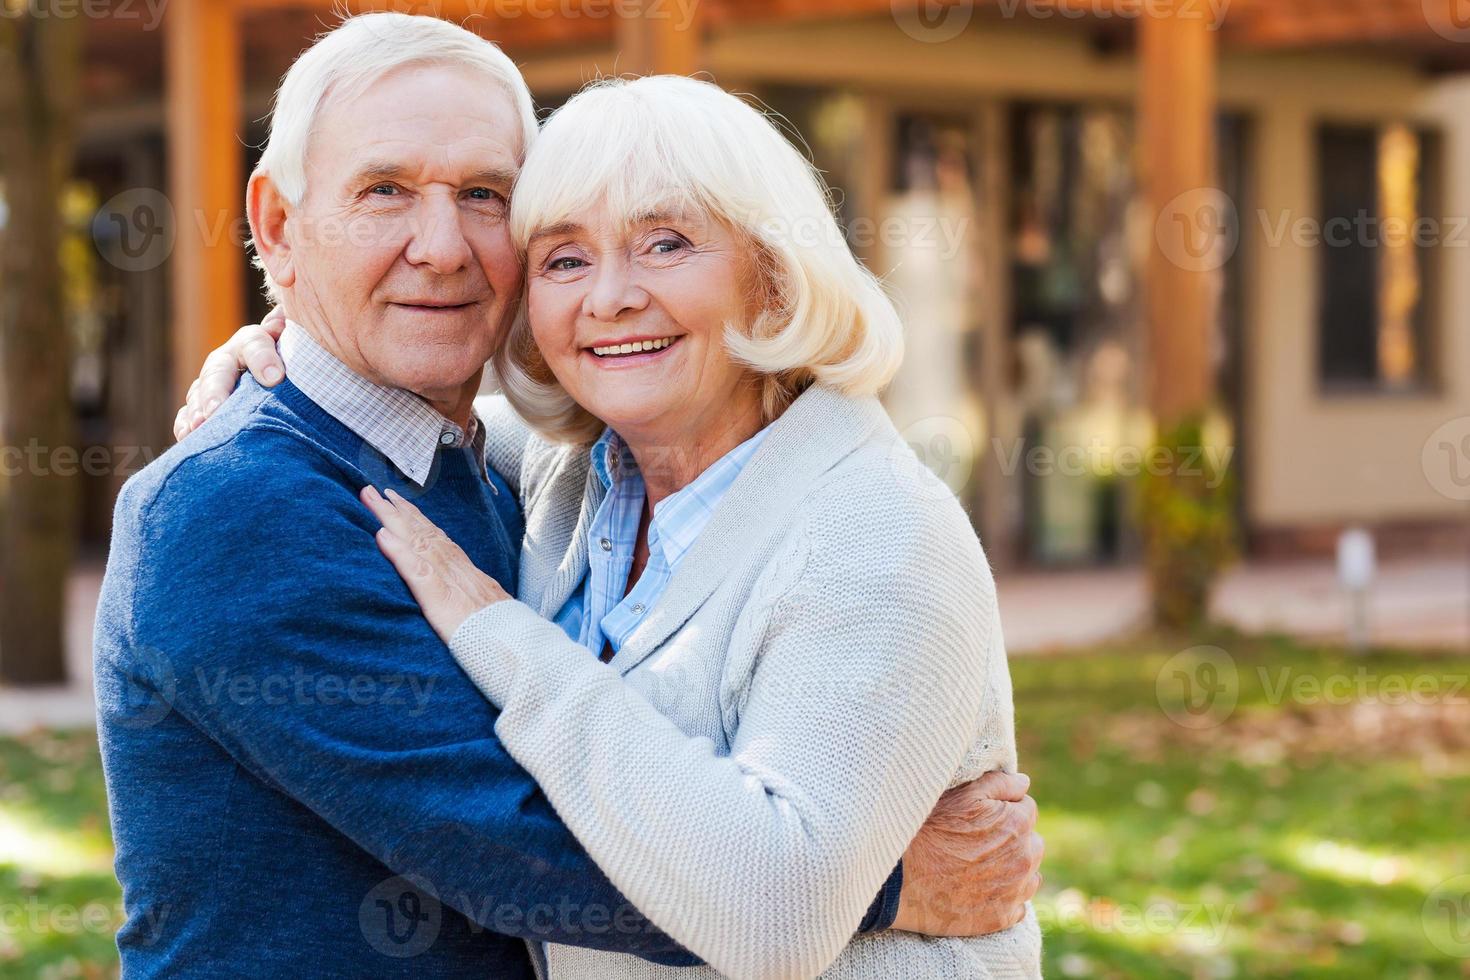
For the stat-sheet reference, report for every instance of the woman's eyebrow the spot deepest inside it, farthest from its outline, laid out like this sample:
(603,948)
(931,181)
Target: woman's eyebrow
(552,231)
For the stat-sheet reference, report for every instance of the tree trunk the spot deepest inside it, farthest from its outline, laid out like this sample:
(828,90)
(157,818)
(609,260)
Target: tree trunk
(40,61)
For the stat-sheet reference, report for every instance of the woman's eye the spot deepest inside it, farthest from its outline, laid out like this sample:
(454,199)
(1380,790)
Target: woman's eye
(565,263)
(666,245)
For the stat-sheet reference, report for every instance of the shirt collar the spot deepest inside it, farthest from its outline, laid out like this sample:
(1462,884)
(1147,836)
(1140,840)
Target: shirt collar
(395,422)
(680,517)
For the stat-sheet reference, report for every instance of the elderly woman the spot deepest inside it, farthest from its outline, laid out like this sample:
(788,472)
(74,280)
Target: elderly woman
(753,645)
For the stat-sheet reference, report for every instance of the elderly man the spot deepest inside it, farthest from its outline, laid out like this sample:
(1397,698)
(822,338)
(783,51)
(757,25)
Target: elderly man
(302,781)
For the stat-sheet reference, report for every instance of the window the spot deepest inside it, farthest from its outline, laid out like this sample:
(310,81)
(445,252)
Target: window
(1375,247)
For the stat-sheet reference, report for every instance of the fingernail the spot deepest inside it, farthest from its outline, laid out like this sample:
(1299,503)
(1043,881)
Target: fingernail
(272,375)
(372,491)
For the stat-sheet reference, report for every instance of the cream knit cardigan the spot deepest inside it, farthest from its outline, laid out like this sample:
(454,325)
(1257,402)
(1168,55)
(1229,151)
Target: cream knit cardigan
(748,769)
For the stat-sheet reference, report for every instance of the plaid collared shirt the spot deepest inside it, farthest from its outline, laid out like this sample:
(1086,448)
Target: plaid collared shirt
(397,423)
(599,614)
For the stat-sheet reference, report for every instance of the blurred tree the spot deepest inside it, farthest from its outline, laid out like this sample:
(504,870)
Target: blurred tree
(40,65)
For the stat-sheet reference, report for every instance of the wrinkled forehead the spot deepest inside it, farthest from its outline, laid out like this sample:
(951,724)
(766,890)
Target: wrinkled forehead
(429,122)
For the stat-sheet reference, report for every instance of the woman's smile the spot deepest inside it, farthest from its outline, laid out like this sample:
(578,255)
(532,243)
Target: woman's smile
(633,352)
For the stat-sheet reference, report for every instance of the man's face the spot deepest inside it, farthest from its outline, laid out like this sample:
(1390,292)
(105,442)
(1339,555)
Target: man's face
(400,248)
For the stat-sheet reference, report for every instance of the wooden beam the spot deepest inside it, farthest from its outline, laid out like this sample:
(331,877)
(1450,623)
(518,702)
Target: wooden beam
(662,38)
(206,179)
(1176,109)
(1314,23)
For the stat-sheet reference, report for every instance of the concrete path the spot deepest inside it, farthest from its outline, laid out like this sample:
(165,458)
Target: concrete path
(1423,602)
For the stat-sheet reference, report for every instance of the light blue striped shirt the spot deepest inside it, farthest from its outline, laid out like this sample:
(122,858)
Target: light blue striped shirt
(598,613)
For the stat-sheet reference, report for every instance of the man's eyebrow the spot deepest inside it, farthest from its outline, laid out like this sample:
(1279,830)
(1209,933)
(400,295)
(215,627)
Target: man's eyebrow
(386,169)
(496,176)
(377,170)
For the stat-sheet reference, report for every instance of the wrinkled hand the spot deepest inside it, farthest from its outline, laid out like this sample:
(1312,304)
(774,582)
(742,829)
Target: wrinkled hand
(975,862)
(252,348)
(439,574)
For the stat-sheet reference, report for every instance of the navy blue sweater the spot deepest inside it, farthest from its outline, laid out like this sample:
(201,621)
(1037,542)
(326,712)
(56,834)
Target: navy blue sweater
(302,781)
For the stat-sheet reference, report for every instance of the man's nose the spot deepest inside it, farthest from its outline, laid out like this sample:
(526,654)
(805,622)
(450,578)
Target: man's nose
(436,236)
(613,291)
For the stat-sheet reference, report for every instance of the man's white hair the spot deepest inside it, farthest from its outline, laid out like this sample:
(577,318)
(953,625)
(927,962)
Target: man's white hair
(358,52)
(668,143)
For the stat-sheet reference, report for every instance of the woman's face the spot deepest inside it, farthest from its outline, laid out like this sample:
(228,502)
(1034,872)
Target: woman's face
(631,320)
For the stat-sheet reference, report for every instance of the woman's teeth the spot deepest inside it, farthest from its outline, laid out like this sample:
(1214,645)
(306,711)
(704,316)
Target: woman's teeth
(634,348)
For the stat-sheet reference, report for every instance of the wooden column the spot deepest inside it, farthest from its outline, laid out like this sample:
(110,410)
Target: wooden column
(206,179)
(1176,110)
(664,38)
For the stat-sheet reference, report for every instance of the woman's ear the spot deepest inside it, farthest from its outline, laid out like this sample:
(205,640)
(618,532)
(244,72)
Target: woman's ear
(268,211)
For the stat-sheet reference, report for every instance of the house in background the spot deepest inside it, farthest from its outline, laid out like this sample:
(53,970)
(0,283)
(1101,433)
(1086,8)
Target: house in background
(1092,211)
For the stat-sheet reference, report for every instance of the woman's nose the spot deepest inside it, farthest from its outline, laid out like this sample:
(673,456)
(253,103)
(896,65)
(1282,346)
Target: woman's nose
(613,292)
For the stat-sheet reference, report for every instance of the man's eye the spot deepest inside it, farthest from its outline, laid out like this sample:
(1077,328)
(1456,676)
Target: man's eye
(384,190)
(482,194)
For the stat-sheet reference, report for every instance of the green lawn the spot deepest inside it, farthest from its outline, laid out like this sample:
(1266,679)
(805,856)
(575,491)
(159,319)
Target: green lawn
(1299,817)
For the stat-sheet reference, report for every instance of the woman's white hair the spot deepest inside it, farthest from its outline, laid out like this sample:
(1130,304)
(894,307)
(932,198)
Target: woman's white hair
(667,143)
(358,52)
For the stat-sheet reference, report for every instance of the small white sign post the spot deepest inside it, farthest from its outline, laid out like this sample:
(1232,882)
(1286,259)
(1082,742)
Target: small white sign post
(1356,566)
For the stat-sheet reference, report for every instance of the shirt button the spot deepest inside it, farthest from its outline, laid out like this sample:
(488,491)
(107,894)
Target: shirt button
(446,438)
(606,544)
(638,608)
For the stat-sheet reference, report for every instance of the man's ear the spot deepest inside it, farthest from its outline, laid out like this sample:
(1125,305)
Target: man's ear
(268,210)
